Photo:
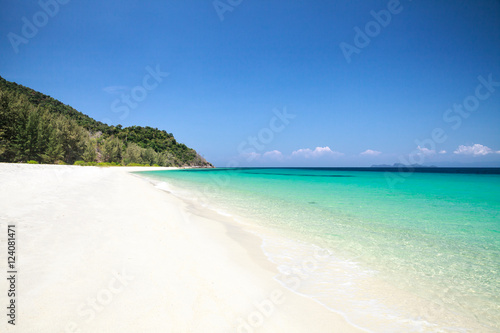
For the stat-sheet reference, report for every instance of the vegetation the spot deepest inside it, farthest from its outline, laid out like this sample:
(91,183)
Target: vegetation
(38,128)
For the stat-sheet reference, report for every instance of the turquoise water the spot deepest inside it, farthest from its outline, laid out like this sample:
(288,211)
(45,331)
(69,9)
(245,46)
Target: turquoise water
(422,254)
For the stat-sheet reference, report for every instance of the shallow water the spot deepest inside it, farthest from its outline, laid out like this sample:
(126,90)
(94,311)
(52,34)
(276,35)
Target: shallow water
(422,254)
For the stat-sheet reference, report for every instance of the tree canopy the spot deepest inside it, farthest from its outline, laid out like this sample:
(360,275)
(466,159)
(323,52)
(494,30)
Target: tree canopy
(37,127)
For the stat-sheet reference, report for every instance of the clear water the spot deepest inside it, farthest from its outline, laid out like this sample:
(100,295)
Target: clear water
(421,255)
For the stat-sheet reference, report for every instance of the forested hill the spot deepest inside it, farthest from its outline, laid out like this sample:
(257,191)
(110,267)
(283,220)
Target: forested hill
(37,127)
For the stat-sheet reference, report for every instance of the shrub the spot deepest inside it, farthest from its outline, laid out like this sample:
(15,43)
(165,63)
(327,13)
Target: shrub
(32,162)
(108,164)
(137,164)
(81,163)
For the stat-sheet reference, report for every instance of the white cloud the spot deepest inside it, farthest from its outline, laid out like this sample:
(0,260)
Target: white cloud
(442,152)
(324,150)
(274,154)
(250,156)
(475,150)
(317,152)
(302,152)
(370,152)
(425,151)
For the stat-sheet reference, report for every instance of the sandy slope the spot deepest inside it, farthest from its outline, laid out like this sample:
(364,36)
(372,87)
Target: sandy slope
(101,250)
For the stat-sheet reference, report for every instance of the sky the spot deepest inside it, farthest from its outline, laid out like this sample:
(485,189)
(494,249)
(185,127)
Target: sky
(274,83)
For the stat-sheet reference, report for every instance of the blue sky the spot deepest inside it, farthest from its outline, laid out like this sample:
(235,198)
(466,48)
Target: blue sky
(274,83)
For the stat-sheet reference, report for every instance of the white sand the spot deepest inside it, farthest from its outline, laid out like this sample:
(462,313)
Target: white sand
(101,250)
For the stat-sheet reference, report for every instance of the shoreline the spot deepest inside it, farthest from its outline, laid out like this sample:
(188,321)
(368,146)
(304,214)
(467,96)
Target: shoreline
(100,249)
(354,284)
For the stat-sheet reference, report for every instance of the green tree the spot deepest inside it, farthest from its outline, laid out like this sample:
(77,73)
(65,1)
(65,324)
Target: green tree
(46,134)
(112,150)
(7,125)
(26,132)
(133,154)
(54,152)
(34,126)
(72,138)
(166,159)
(90,150)
(149,156)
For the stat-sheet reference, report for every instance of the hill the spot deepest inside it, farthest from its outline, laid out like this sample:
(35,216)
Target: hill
(37,127)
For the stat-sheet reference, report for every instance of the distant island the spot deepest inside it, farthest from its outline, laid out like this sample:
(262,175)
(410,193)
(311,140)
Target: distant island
(401,165)
(37,128)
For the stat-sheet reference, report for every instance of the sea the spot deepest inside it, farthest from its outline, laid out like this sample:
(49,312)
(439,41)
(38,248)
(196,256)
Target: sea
(391,250)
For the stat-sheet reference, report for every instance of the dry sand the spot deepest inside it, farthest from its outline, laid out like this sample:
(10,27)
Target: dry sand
(102,250)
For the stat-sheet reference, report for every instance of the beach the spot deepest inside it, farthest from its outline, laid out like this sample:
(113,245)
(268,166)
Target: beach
(104,250)
(388,257)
